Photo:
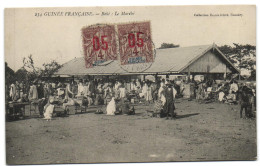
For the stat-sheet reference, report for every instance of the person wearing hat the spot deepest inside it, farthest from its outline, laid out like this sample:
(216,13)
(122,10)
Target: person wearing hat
(169,106)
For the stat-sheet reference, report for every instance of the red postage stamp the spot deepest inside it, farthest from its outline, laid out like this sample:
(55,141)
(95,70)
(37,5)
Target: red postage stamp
(99,44)
(135,44)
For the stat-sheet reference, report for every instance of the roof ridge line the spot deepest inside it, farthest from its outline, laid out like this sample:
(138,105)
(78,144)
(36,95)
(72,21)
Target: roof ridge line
(197,57)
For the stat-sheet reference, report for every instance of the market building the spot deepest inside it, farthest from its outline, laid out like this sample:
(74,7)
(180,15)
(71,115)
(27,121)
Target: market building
(205,60)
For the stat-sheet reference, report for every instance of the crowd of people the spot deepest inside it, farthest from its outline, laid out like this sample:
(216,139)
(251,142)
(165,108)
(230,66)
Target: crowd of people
(94,92)
(117,95)
(230,92)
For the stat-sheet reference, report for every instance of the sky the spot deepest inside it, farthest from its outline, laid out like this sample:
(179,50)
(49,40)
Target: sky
(58,38)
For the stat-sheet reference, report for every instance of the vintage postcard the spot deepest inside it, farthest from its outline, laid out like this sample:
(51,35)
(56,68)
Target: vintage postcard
(130,84)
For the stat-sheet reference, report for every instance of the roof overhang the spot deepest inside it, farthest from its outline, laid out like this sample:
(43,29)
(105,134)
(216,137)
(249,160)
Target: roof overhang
(214,47)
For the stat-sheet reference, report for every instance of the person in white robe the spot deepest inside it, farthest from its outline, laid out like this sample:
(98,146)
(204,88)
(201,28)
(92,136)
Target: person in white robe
(122,93)
(117,85)
(160,93)
(33,93)
(87,94)
(12,93)
(174,92)
(111,107)
(80,89)
(133,86)
(116,90)
(144,90)
(148,95)
(49,108)
(221,96)
(68,91)
(86,89)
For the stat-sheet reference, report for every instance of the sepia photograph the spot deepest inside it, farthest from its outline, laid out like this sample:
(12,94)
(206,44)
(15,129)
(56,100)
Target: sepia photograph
(130,84)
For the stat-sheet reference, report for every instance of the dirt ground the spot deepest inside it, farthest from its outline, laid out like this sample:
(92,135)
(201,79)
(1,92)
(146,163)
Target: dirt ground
(201,132)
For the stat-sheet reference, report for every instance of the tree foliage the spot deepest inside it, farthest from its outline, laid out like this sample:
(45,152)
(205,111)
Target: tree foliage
(9,74)
(50,68)
(242,56)
(168,45)
(21,75)
(31,72)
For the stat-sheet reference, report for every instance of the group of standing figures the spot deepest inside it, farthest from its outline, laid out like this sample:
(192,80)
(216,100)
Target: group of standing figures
(94,92)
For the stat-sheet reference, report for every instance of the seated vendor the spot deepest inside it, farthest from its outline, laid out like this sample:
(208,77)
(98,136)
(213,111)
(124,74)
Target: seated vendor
(68,102)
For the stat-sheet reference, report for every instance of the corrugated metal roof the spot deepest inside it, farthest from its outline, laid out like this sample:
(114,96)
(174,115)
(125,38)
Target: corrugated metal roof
(171,60)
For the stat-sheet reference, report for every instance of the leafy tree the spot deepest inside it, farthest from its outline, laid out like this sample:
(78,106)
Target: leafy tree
(168,45)
(32,71)
(9,74)
(37,73)
(21,75)
(50,68)
(242,56)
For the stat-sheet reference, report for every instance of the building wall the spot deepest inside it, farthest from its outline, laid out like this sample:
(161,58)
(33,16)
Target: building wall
(208,63)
